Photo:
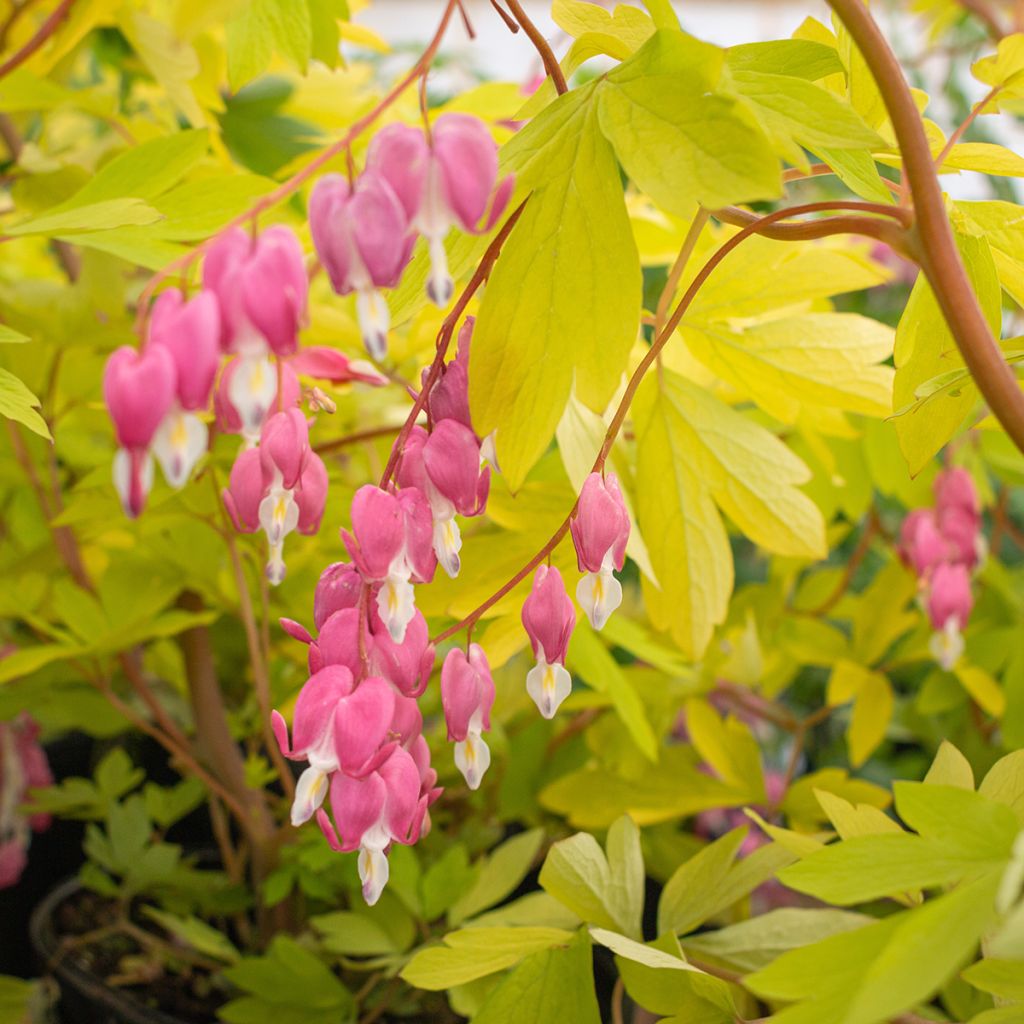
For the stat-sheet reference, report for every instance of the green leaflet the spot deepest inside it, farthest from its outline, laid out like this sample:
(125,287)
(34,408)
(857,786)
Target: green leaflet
(556,984)
(606,889)
(476,952)
(696,453)
(871,974)
(925,348)
(19,404)
(564,298)
(659,102)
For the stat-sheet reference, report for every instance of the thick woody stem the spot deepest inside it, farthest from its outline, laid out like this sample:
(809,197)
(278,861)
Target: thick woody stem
(932,238)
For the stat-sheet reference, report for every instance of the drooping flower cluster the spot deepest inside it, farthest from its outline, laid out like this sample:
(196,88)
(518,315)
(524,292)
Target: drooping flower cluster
(23,766)
(944,545)
(413,184)
(250,310)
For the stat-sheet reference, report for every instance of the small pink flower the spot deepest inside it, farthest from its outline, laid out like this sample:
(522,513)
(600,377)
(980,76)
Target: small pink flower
(338,727)
(339,587)
(549,619)
(261,286)
(372,813)
(338,642)
(954,488)
(247,394)
(245,491)
(449,181)
(329,364)
(407,665)
(949,606)
(390,544)
(190,332)
(363,239)
(284,447)
(445,466)
(449,397)
(467,695)
(600,530)
(139,389)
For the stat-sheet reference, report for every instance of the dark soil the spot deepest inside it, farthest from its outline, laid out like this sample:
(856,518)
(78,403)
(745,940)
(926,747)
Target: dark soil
(187,992)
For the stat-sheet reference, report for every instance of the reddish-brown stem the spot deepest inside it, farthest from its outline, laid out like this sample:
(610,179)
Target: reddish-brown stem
(645,364)
(540,44)
(444,337)
(676,273)
(893,235)
(510,22)
(820,170)
(371,434)
(871,530)
(958,134)
(46,30)
(932,238)
(297,180)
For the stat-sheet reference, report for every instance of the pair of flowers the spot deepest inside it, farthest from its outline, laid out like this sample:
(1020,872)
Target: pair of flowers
(413,183)
(944,545)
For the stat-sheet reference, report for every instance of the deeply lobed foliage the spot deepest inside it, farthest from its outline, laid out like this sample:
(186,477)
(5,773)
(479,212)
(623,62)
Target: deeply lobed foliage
(747,737)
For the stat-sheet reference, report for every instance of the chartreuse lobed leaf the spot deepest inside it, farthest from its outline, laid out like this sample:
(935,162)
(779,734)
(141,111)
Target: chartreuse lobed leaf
(564,299)
(872,696)
(1003,978)
(602,888)
(19,404)
(590,659)
(476,952)
(499,875)
(696,453)
(262,28)
(1002,225)
(713,880)
(753,944)
(555,984)
(870,974)
(661,101)
(728,746)
(785,365)
(959,835)
(795,58)
(1004,68)
(925,348)
(1005,783)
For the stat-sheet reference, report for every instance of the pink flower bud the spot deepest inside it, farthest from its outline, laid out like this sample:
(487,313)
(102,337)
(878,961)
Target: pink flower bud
(407,665)
(949,595)
(548,615)
(284,447)
(467,695)
(419,531)
(363,240)
(139,389)
(600,527)
(961,531)
(245,491)
(449,398)
(377,539)
(600,530)
(954,488)
(451,457)
(339,587)
(338,642)
(190,331)
(328,364)
(922,546)
(549,618)
(311,496)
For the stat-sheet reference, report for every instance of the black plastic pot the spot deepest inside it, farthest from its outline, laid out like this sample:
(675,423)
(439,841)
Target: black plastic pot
(84,998)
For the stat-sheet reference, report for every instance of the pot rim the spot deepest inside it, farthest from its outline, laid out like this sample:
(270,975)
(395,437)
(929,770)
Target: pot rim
(44,941)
